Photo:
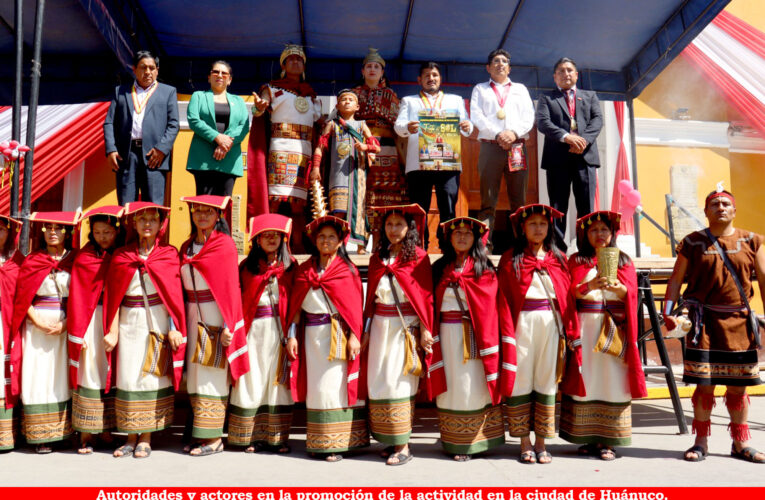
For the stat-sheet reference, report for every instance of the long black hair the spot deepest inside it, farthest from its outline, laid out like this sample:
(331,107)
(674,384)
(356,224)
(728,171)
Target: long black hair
(257,254)
(587,252)
(521,243)
(478,252)
(112,221)
(68,230)
(408,244)
(221,226)
(341,251)
(10,242)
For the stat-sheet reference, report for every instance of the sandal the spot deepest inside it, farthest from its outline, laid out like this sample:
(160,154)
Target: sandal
(192,446)
(388,451)
(254,448)
(462,458)
(543,454)
(126,451)
(402,458)
(607,454)
(528,457)
(86,448)
(207,450)
(283,449)
(587,450)
(748,454)
(700,452)
(333,457)
(43,449)
(142,448)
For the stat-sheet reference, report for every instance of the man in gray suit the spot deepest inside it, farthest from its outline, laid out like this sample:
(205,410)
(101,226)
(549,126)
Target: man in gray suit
(139,132)
(570,119)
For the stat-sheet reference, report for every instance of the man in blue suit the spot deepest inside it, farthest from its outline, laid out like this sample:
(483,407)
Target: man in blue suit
(570,119)
(139,132)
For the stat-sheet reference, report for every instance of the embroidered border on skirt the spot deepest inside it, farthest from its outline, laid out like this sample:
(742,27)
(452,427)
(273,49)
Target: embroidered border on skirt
(390,420)
(47,423)
(266,424)
(468,432)
(708,367)
(209,415)
(92,410)
(530,410)
(336,431)
(596,422)
(144,411)
(9,427)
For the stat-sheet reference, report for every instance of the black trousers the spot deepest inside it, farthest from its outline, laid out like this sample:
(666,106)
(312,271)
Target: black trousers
(213,182)
(135,179)
(560,181)
(447,184)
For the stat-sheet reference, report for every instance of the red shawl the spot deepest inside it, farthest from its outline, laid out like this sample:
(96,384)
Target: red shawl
(628,277)
(253,286)
(257,149)
(87,285)
(342,284)
(163,269)
(9,271)
(514,290)
(217,262)
(35,268)
(481,295)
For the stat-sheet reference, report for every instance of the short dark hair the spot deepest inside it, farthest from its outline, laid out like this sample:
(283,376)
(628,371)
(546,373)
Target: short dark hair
(430,65)
(564,60)
(143,54)
(221,62)
(497,52)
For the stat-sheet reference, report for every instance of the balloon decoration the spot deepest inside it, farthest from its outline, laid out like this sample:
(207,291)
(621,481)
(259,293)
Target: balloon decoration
(10,151)
(629,202)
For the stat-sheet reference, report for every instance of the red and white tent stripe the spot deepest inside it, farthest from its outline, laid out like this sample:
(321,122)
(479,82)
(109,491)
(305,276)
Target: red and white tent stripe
(65,135)
(731,54)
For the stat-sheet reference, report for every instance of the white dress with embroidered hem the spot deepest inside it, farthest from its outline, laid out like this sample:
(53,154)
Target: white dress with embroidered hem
(536,337)
(200,379)
(44,369)
(387,348)
(605,376)
(93,368)
(256,388)
(466,388)
(134,341)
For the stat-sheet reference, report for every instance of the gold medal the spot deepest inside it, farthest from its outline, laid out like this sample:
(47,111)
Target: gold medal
(573,124)
(343,149)
(301,104)
(501,114)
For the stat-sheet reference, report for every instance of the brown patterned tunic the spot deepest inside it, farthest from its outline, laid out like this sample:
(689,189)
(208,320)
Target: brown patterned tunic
(725,352)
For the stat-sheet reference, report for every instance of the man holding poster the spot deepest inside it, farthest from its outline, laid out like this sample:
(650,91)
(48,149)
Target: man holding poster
(433,120)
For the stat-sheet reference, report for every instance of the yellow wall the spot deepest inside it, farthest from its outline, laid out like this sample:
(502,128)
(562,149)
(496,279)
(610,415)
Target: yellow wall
(747,176)
(654,163)
(751,11)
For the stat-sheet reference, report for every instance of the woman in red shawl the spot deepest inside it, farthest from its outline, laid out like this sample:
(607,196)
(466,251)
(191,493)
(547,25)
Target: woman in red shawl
(465,368)
(323,343)
(399,320)
(216,355)
(39,357)
(10,263)
(260,408)
(145,317)
(603,419)
(534,281)
(92,407)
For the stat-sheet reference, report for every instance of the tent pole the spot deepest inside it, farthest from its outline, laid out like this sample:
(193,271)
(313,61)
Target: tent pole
(633,150)
(18,29)
(34,94)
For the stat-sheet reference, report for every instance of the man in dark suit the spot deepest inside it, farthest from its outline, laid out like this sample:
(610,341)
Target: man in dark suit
(570,120)
(139,132)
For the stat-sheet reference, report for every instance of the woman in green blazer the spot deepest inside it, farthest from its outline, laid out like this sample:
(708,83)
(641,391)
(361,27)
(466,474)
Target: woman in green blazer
(220,122)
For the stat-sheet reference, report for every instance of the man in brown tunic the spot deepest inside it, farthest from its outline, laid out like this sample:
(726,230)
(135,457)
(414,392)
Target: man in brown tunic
(720,348)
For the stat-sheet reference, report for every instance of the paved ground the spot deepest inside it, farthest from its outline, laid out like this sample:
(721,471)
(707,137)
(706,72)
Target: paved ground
(652,460)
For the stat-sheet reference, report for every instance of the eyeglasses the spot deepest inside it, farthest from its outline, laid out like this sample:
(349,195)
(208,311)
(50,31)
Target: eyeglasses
(219,72)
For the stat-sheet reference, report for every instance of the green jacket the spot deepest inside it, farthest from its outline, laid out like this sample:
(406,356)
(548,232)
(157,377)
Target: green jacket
(201,118)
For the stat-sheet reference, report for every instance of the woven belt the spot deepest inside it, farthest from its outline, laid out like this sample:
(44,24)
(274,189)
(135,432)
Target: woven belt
(263,312)
(451,317)
(202,296)
(592,306)
(137,300)
(45,302)
(536,305)
(317,319)
(390,310)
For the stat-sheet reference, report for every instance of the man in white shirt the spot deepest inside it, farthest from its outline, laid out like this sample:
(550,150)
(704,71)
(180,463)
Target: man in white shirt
(504,114)
(421,177)
(139,131)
